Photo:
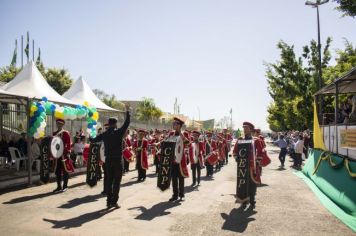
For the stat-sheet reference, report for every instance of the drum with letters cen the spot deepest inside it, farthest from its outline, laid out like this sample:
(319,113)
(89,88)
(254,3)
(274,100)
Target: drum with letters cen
(212,158)
(166,161)
(93,164)
(46,157)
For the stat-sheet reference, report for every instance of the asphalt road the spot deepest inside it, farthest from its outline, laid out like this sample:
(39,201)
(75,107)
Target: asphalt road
(285,206)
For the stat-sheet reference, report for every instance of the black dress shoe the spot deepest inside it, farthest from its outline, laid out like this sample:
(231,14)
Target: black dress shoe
(57,190)
(251,207)
(115,205)
(172,199)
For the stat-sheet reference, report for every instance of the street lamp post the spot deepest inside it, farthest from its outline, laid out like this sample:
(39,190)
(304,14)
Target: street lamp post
(320,80)
(199,113)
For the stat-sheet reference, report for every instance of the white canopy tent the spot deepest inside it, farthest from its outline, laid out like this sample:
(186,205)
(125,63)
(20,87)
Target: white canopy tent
(80,92)
(31,84)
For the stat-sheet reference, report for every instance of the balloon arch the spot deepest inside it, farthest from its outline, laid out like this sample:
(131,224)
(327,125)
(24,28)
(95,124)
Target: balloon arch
(40,109)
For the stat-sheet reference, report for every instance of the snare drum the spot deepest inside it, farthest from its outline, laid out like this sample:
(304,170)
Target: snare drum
(128,154)
(212,158)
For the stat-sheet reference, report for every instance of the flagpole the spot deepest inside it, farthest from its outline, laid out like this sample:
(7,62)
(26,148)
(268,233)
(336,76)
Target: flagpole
(28,45)
(21,51)
(33,50)
(231,118)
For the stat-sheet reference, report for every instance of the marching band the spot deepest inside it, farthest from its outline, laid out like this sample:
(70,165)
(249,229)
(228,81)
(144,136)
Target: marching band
(202,150)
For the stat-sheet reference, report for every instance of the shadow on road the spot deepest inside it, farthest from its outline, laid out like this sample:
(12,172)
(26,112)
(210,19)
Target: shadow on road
(155,211)
(38,196)
(207,178)
(78,201)
(79,220)
(280,169)
(262,185)
(238,219)
(190,188)
(132,182)
(152,175)
(29,198)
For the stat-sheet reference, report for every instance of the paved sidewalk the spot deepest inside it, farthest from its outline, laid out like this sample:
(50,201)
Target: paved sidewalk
(285,206)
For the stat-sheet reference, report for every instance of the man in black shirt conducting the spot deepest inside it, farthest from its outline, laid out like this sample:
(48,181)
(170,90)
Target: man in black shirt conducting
(112,139)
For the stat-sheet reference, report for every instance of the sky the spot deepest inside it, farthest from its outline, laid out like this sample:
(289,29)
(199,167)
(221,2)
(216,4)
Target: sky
(210,54)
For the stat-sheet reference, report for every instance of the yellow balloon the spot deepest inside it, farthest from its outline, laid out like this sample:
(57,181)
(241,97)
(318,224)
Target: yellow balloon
(33,108)
(86,103)
(95,116)
(42,134)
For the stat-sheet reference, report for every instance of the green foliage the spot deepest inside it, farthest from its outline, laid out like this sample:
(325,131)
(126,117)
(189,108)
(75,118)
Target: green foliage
(59,79)
(147,110)
(348,7)
(7,73)
(109,100)
(345,61)
(292,81)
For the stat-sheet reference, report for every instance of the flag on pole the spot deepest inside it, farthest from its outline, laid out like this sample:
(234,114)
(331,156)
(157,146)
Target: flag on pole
(38,60)
(27,49)
(14,57)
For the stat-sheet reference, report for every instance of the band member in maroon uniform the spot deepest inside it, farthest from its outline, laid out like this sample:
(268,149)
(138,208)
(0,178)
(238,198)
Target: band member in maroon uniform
(196,157)
(155,146)
(179,167)
(255,177)
(64,164)
(209,147)
(262,159)
(227,140)
(126,144)
(140,147)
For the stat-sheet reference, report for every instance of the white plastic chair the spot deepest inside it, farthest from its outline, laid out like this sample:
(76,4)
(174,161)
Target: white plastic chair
(80,160)
(17,156)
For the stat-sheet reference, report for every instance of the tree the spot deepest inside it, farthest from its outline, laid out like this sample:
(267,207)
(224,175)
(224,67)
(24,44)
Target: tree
(348,7)
(147,110)
(59,79)
(345,61)
(109,100)
(7,73)
(292,82)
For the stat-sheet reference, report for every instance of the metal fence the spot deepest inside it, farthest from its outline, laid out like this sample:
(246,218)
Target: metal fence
(13,118)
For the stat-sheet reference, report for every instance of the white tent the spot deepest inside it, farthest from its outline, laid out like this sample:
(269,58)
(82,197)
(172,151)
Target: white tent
(30,83)
(80,92)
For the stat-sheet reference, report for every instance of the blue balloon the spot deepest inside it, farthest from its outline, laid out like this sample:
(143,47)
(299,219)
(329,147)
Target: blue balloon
(90,126)
(90,114)
(40,109)
(53,107)
(44,99)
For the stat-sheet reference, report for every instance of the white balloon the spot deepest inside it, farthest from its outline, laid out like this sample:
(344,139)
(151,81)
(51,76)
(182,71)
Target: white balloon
(43,124)
(36,135)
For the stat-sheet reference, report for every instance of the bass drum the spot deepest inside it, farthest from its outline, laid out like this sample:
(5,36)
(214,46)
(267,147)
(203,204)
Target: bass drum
(56,147)
(102,153)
